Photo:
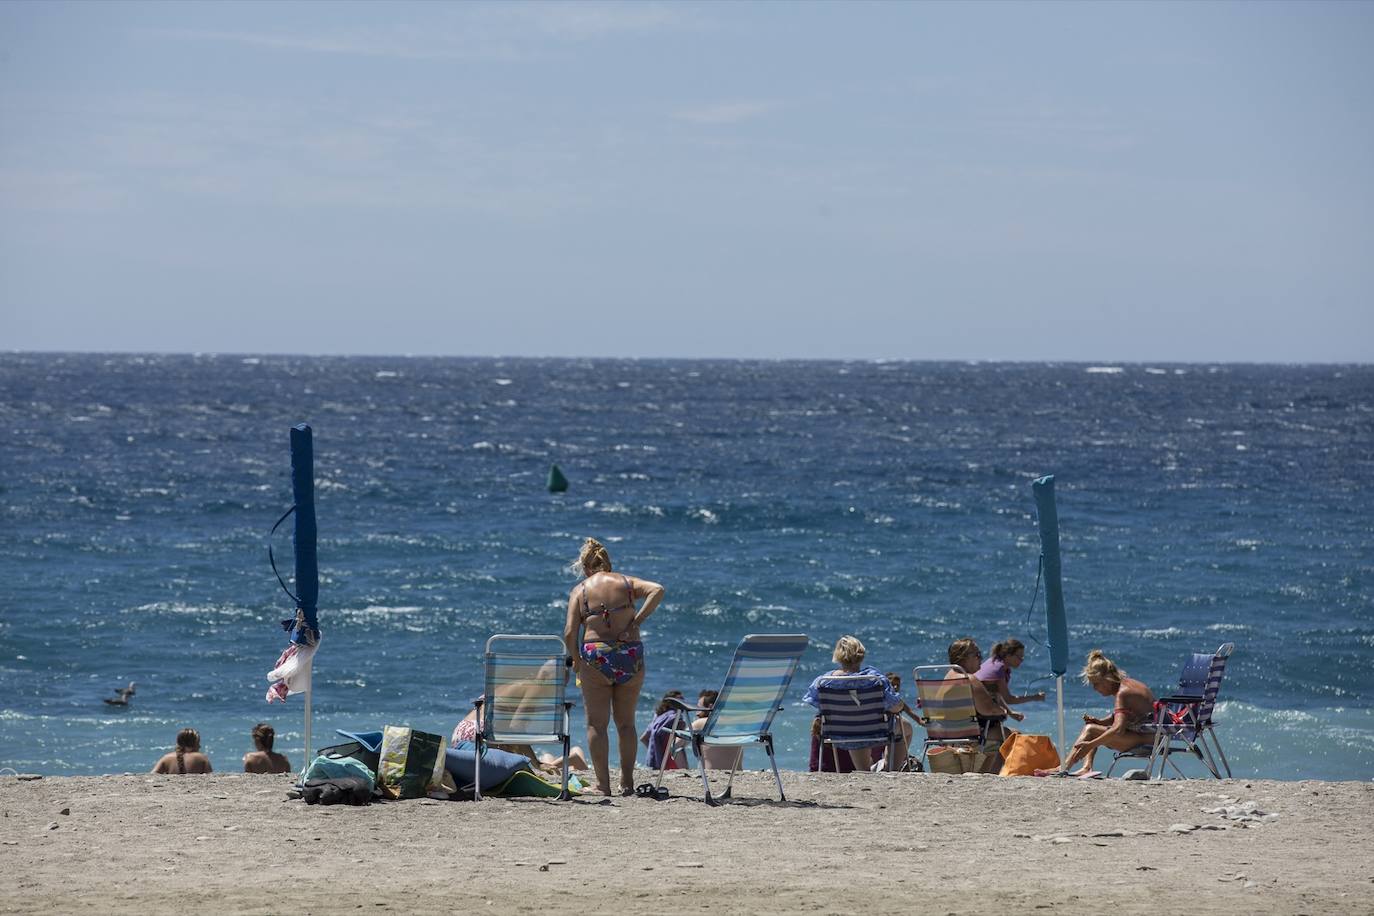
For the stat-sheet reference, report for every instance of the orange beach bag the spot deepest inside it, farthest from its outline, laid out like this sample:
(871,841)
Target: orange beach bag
(1022,755)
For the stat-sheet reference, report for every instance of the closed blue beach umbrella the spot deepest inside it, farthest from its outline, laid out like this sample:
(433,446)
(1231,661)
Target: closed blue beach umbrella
(292,671)
(1056,621)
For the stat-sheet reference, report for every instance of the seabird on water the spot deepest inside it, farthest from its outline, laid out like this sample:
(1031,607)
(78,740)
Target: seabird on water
(122,694)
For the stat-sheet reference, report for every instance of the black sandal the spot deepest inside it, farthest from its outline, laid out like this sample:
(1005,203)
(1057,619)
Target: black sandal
(647,790)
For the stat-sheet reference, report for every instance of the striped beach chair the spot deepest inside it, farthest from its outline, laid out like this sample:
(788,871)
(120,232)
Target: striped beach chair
(759,676)
(526,681)
(1183,721)
(854,716)
(947,710)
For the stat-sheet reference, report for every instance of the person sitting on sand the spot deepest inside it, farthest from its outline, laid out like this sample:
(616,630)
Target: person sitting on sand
(1134,707)
(995,673)
(264,759)
(187,758)
(849,655)
(991,709)
(656,738)
(717,756)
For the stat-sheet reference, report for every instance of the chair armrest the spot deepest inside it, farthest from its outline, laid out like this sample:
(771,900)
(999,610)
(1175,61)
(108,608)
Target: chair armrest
(1184,700)
(684,706)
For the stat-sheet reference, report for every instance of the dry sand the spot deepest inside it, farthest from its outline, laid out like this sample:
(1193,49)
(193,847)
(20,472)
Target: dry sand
(866,842)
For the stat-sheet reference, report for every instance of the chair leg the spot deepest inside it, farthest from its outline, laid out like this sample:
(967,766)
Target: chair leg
(729,782)
(697,746)
(1205,755)
(477,770)
(565,795)
(567,748)
(1217,741)
(679,722)
(768,746)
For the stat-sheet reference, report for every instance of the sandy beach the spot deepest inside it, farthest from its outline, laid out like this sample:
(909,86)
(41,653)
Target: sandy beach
(966,844)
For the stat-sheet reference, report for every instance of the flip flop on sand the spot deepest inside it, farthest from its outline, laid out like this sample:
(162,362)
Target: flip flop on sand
(1089,774)
(1056,773)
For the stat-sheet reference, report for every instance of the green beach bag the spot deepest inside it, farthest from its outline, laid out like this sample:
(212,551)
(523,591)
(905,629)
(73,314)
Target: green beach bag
(411,762)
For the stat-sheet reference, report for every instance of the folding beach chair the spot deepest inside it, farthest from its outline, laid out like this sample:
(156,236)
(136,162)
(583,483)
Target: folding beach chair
(947,709)
(854,716)
(759,675)
(526,680)
(1183,721)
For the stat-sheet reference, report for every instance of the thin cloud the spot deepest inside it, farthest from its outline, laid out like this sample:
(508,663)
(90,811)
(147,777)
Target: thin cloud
(503,32)
(402,43)
(727,112)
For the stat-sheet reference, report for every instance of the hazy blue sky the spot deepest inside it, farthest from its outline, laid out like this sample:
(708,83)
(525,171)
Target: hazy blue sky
(976,181)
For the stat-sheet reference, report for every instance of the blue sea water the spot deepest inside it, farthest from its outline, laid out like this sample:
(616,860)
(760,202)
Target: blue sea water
(1199,504)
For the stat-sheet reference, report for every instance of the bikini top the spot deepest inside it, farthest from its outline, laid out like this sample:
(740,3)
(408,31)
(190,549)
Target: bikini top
(606,612)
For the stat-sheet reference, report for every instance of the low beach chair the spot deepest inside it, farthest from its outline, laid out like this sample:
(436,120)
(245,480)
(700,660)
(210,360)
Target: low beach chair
(526,683)
(947,710)
(854,716)
(755,683)
(1183,720)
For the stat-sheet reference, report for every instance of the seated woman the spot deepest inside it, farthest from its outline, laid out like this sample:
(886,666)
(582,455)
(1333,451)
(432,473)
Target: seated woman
(995,673)
(264,759)
(187,758)
(991,709)
(1134,707)
(849,655)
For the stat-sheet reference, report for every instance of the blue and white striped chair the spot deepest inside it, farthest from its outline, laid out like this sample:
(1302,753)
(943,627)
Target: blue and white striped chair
(1183,721)
(759,676)
(854,716)
(526,681)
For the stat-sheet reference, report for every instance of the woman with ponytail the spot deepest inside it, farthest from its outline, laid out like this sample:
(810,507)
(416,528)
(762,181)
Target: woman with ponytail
(1134,707)
(602,636)
(187,758)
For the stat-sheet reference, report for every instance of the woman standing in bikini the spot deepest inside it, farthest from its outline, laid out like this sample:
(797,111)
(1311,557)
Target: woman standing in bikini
(602,636)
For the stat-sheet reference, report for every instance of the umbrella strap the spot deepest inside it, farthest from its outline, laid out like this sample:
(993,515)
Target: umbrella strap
(1039,574)
(273,560)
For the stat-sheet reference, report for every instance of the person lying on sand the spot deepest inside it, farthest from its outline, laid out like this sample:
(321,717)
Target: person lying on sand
(467,729)
(264,759)
(187,758)
(1133,708)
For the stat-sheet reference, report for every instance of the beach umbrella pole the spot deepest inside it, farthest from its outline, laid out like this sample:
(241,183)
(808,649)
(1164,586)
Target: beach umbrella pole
(1058,683)
(1056,621)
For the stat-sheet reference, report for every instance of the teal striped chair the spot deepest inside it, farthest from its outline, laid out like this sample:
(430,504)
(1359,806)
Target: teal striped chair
(759,675)
(525,700)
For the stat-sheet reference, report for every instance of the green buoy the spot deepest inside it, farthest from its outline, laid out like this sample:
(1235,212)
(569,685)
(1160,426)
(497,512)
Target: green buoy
(557,482)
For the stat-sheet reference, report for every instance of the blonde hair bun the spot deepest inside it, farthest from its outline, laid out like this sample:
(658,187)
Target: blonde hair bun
(593,558)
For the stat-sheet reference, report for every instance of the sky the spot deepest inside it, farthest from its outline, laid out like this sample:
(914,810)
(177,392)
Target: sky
(977,181)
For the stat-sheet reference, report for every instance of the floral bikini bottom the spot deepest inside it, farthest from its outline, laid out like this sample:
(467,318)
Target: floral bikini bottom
(619,661)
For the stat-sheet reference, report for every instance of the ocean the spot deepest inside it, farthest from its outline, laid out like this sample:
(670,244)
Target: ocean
(1198,504)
